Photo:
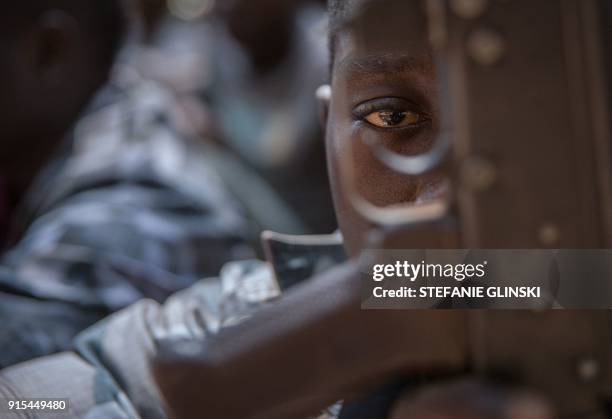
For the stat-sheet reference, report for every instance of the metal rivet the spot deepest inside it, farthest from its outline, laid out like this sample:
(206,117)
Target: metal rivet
(486,47)
(549,234)
(478,173)
(468,9)
(588,369)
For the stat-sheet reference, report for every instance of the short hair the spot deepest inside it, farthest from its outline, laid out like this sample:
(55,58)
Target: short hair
(337,11)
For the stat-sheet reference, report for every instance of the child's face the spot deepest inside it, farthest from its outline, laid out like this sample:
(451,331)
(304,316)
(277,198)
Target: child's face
(384,90)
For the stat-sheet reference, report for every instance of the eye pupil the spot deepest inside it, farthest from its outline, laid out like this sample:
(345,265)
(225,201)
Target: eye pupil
(392,117)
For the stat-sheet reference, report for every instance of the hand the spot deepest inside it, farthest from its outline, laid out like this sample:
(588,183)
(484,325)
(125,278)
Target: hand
(470,399)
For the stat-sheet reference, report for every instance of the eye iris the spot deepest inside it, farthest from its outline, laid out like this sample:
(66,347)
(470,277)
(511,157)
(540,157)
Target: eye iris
(391,118)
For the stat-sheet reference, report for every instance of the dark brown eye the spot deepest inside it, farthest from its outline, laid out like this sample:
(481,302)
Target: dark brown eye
(393,119)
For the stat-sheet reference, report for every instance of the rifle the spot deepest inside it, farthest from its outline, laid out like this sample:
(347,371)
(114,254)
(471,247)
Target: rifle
(540,64)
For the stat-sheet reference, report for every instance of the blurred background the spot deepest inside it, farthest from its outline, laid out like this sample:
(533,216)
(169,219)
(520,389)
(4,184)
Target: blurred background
(245,74)
(146,143)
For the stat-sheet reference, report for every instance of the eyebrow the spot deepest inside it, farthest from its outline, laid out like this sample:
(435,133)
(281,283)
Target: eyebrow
(384,63)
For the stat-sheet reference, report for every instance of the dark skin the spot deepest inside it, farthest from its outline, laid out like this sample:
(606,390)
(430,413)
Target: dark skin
(383,89)
(49,70)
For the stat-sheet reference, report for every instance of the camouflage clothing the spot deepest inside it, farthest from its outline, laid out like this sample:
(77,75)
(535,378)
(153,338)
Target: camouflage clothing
(34,324)
(132,211)
(112,377)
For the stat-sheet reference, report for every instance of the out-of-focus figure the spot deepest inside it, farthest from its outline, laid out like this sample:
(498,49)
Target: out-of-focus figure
(255,65)
(132,210)
(52,61)
(53,58)
(268,59)
(128,208)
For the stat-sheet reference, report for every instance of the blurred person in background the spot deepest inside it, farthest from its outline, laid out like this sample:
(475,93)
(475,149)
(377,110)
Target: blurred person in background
(246,72)
(54,57)
(268,58)
(130,207)
(52,62)
(120,205)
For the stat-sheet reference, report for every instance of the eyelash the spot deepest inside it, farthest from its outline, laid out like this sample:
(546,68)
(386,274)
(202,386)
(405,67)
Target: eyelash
(361,111)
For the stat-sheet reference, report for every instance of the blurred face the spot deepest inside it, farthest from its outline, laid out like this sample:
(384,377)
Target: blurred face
(384,92)
(49,69)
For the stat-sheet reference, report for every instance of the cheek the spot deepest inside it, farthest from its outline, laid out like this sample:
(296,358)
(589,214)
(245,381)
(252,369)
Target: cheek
(351,224)
(333,156)
(354,168)
(372,181)
(378,184)
(383,187)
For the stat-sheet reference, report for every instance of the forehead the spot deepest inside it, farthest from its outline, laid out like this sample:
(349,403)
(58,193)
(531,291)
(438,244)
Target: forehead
(381,35)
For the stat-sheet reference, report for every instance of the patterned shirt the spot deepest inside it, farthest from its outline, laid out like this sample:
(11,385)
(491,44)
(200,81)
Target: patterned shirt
(131,210)
(111,376)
